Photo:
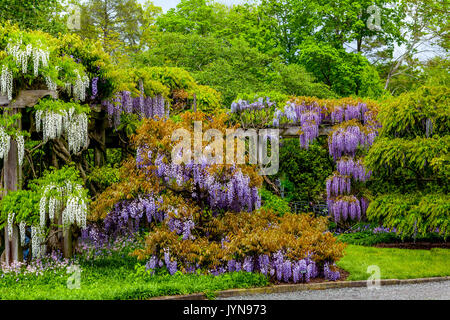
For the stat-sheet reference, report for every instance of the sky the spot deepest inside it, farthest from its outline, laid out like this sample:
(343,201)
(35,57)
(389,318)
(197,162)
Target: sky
(167,4)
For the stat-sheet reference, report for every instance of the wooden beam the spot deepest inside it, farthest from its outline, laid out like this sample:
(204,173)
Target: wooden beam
(293,131)
(4,100)
(28,98)
(11,183)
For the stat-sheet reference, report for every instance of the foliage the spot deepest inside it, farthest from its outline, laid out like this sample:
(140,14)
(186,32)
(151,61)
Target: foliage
(117,24)
(423,112)
(49,66)
(346,73)
(274,203)
(413,147)
(103,177)
(412,214)
(45,15)
(371,237)
(303,171)
(227,67)
(25,205)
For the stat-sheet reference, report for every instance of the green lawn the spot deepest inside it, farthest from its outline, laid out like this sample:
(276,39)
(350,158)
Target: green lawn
(395,263)
(121,284)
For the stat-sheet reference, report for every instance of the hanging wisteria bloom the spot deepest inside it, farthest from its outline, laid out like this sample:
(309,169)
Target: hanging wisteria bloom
(38,248)
(6,82)
(80,87)
(5,142)
(345,208)
(144,107)
(20,148)
(355,169)
(338,185)
(75,207)
(39,55)
(259,104)
(235,195)
(10,223)
(22,228)
(345,140)
(54,124)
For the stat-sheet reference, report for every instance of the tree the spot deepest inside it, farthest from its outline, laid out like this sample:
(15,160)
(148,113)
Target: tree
(231,67)
(410,160)
(119,24)
(340,24)
(346,73)
(45,15)
(425,29)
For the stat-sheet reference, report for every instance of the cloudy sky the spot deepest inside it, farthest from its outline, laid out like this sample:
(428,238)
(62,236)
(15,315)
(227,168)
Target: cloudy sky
(167,4)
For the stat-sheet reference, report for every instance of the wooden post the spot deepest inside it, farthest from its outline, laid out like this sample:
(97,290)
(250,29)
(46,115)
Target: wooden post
(12,173)
(11,183)
(195,102)
(67,240)
(100,134)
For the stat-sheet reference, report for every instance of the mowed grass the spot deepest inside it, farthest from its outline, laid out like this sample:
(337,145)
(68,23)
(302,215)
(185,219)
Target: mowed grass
(395,263)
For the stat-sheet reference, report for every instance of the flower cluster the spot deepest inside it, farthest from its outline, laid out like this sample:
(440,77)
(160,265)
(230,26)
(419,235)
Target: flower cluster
(38,247)
(94,87)
(349,112)
(74,125)
(259,104)
(94,244)
(145,107)
(21,55)
(6,82)
(355,169)
(345,140)
(73,210)
(277,267)
(51,264)
(330,274)
(309,117)
(182,227)
(126,216)
(10,223)
(338,185)
(5,143)
(221,191)
(345,207)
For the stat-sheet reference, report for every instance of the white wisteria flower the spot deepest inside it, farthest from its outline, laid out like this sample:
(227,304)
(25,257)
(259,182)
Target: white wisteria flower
(10,223)
(6,82)
(20,148)
(74,125)
(22,228)
(5,141)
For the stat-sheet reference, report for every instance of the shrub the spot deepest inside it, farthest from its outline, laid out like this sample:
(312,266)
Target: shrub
(275,203)
(195,211)
(413,151)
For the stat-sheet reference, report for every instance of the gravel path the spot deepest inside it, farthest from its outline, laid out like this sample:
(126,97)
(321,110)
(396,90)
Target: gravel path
(422,291)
